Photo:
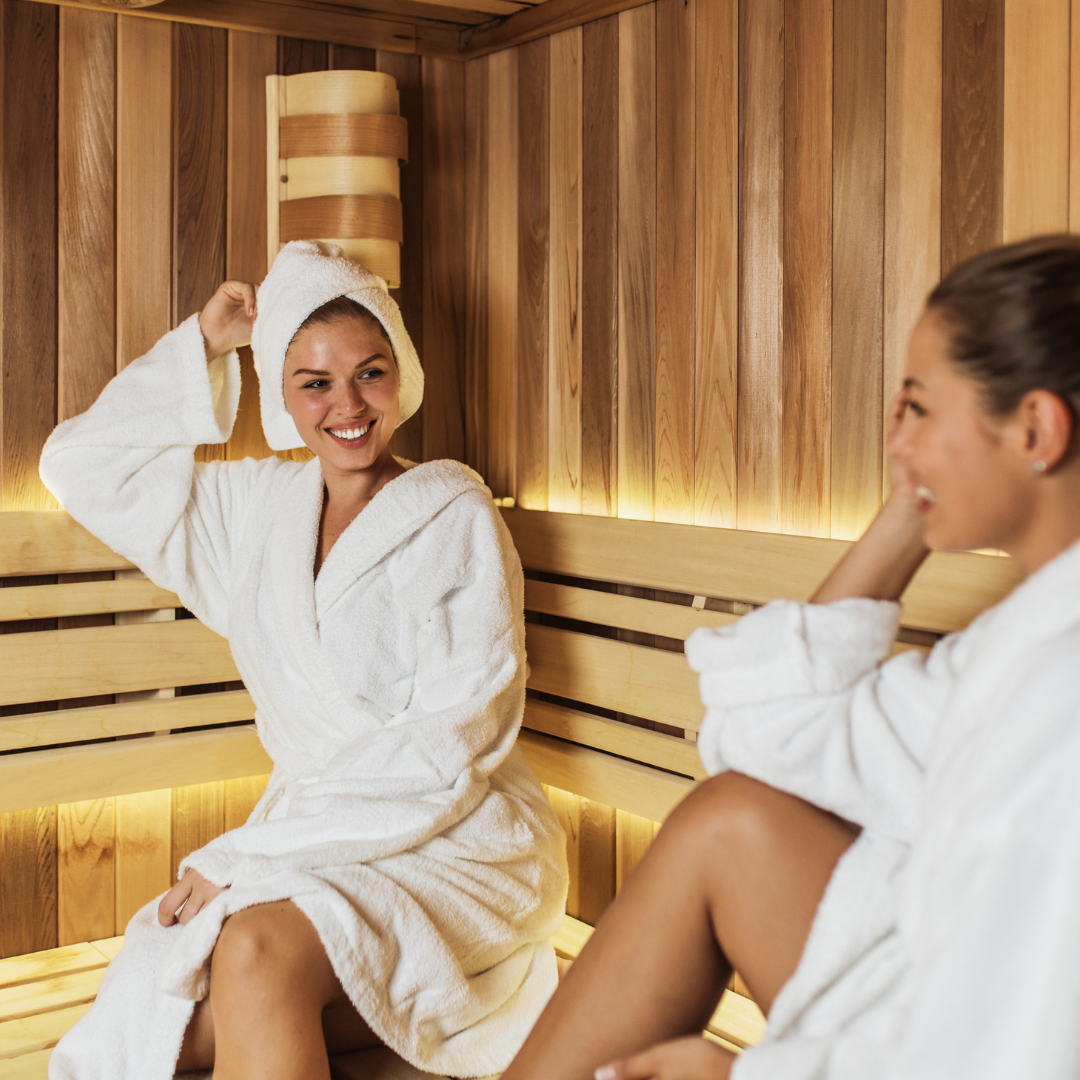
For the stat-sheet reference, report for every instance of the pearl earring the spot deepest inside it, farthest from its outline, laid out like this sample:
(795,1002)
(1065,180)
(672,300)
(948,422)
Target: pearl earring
(1038,467)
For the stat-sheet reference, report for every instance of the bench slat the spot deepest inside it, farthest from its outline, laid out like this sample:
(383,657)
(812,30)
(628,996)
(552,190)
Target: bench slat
(51,664)
(639,744)
(625,785)
(76,773)
(39,1032)
(83,598)
(651,683)
(623,612)
(733,564)
(130,718)
(51,542)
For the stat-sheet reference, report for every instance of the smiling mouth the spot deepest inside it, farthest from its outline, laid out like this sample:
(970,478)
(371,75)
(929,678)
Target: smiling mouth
(351,434)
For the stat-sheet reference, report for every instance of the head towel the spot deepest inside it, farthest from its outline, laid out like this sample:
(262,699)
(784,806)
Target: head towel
(306,275)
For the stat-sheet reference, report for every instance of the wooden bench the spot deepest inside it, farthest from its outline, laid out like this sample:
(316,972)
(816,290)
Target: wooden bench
(612,713)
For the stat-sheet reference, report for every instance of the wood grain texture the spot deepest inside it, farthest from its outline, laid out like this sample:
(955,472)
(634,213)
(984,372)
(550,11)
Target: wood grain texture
(565,282)
(143,838)
(502,302)
(86,203)
(1035,124)
(297,55)
(28,881)
(716,264)
(807,394)
(351,58)
(596,860)
(251,58)
(534,110)
(344,135)
(761,263)
(912,180)
(637,263)
(676,294)
(86,871)
(241,795)
(599,314)
(477,172)
(858,242)
(144,215)
(444,259)
(633,835)
(198,816)
(28,271)
(407,72)
(567,809)
(972,121)
(1074,117)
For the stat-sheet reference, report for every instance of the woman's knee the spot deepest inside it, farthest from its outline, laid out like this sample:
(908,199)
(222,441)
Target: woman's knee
(268,943)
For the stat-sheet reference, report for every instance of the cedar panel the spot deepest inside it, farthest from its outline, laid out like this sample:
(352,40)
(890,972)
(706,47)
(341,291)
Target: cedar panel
(28,880)
(86,871)
(198,816)
(295,56)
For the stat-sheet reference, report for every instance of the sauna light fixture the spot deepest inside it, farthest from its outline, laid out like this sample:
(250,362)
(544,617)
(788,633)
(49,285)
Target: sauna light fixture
(334,141)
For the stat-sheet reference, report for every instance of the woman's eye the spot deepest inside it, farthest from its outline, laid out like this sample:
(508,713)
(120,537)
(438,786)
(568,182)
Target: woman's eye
(371,373)
(315,384)
(916,408)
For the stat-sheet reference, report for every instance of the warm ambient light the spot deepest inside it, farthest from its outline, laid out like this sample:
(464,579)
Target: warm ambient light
(333,143)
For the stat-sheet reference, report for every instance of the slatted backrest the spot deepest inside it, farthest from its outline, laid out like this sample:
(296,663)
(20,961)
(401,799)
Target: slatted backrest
(95,661)
(596,679)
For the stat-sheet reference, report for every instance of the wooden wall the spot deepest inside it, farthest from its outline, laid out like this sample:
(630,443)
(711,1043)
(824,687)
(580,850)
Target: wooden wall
(133,181)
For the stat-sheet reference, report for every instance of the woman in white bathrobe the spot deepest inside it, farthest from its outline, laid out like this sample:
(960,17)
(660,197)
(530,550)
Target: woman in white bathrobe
(890,854)
(401,878)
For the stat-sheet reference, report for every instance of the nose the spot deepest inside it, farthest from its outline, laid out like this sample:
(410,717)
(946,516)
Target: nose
(900,443)
(349,400)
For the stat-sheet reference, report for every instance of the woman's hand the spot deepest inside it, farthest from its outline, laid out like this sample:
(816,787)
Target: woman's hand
(188,896)
(695,1058)
(227,319)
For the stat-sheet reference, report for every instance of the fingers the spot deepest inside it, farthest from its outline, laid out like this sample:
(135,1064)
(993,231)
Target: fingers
(244,292)
(174,899)
(694,1058)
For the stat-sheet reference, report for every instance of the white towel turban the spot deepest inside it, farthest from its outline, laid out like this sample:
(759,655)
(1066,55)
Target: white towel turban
(306,275)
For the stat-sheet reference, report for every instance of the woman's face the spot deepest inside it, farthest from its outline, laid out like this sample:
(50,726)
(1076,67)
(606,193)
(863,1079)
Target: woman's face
(341,389)
(976,488)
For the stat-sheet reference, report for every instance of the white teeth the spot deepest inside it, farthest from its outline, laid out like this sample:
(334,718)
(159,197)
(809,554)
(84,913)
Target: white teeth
(925,494)
(354,433)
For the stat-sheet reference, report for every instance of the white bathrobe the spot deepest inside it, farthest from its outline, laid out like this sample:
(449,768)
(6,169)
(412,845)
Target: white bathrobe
(947,944)
(400,817)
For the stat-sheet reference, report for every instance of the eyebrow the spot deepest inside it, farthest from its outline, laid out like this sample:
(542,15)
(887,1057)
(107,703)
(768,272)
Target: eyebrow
(909,383)
(363,363)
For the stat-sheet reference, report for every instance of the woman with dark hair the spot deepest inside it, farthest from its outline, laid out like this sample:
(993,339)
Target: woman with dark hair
(888,853)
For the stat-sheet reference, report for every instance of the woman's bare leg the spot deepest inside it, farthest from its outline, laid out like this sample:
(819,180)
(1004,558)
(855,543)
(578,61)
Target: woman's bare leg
(275,1006)
(733,879)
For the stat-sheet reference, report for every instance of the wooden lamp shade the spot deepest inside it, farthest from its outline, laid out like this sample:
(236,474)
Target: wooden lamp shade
(334,141)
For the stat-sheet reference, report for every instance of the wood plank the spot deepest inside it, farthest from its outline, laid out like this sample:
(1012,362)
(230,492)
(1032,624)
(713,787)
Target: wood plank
(502,278)
(27,875)
(49,963)
(143,838)
(650,683)
(596,888)
(407,71)
(49,995)
(1074,117)
(808,102)
(83,598)
(613,737)
(949,590)
(28,293)
(1035,124)
(623,612)
(599,311)
(716,265)
(761,263)
(972,111)
(534,106)
(676,246)
(33,542)
(129,766)
(612,781)
(28,1067)
(477,170)
(34,1033)
(86,870)
(241,795)
(858,211)
(567,809)
(86,198)
(112,659)
(912,180)
(198,816)
(637,262)
(109,947)
(737,1020)
(444,259)
(633,837)
(300,54)
(352,58)
(53,728)
(143,185)
(563,389)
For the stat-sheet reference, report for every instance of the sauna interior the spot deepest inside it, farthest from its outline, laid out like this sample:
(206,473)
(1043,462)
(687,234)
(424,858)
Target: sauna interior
(659,260)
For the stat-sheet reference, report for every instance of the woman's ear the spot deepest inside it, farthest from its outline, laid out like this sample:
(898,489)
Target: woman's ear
(1046,423)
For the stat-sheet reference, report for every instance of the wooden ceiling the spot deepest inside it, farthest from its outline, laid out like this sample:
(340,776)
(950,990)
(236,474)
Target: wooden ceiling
(460,29)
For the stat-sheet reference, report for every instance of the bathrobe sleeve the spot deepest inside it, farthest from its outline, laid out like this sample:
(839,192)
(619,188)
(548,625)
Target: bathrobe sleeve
(427,768)
(126,470)
(993,985)
(795,697)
